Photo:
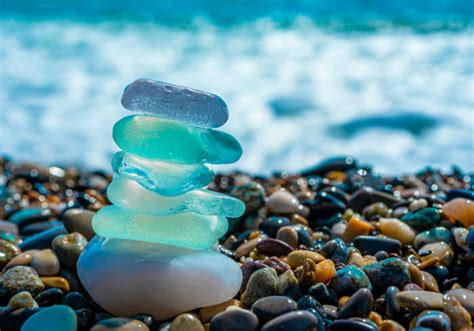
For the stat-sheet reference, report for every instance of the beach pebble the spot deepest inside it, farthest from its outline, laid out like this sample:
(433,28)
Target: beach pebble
(323,294)
(418,204)
(8,251)
(388,272)
(396,229)
(68,247)
(46,263)
(460,317)
(120,324)
(441,250)
(185,277)
(186,322)
(355,228)
(289,235)
(272,224)
(353,325)
(288,285)
(43,239)
(29,215)
(359,305)
(422,219)
(417,301)
(460,209)
(389,325)
(235,319)
(21,278)
(465,297)
(434,235)
(55,318)
(298,320)
(38,227)
(56,282)
(49,297)
(79,220)
(336,250)
(207,313)
(367,196)
(392,307)
(460,237)
(22,300)
(435,320)
(297,258)
(262,283)
(270,307)
(175,102)
(282,202)
(246,247)
(348,280)
(252,194)
(273,247)
(371,245)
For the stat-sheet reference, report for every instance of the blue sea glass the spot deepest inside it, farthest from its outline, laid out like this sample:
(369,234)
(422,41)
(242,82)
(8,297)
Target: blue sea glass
(189,230)
(55,318)
(154,138)
(176,103)
(128,194)
(168,179)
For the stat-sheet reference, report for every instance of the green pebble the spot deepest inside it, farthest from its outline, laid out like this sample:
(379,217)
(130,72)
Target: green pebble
(422,219)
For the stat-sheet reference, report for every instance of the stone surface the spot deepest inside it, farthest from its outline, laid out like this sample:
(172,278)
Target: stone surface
(160,280)
(433,235)
(461,210)
(422,219)
(186,322)
(273,247)
(359,305)
(396,229)
(68,247)
(289,235)
(348,280)
(128,194)
(175,102)
(46,263)
(119,324)
(43,239)
(417,301)
(282,202)
(262,283)
(436,320)
(79,220)
(252,194)
(206,313)
(235,319)
(157,139)
(371,245)
(8,251)
(168,179)
(459,316)
(202,231)
(21,278)
(270,307)
(388,272)
(56,318)
(441,250)
(465,297)
(297,258)
(24,258)
(22,300)
(298,320)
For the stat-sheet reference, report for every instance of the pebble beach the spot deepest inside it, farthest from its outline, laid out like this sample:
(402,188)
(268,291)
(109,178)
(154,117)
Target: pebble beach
(333,247)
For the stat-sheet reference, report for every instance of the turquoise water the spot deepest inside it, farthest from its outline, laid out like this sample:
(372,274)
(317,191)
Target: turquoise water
(390,82)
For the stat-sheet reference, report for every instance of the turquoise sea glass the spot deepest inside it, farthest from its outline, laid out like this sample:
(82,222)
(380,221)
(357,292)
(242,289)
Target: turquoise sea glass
(175,102)
(168,179)
(158,139)
(189,230)
(128,194)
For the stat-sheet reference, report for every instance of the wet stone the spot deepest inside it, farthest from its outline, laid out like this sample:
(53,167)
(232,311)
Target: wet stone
(207,313)
(75,300)
(251,194)
(79,220)
(422,219)
(372,245)
(21,259)
(323,294)
(186,322)
(353,325)
(434,320)
(282,202)
(261,284)
(85,319)
(465,297)
(21,278)
(396,229)
(273,247)
(234,319)
(270,307)
(56,318)
(38,227)
(392,271)
(359,305)
(348,280)
(392,307)
(440,250)
(22,300)
(289,235)
(459,316)
(417,301)
(298,320)
(49,297)
(288,285)
(8,251)
(68,247)
(367,196)
(335,250)
(436,234)
(119,324)
(272,224)
(43,239)
(460,210)
(46,263)
(29,216)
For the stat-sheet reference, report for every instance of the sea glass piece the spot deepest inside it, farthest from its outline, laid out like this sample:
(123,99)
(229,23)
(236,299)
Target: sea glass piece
(189,230)
(55,318)
(168,179)
(176,103)
(127,277)
(128,194)
(157,139)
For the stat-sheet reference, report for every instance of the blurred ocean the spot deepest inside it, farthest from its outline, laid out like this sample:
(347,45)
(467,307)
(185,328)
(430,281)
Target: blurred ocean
(389,82)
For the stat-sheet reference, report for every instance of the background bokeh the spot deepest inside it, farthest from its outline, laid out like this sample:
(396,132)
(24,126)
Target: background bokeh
(389,82)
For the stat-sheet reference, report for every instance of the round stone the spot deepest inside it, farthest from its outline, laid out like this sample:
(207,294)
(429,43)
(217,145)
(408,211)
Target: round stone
(22,300)
(359,305)
(160,280)
(68,247)
(420,300)
(234,319)
(262,283)
(435,320)
(186,322)
(120,324)
(298,320)
(21,278)
(8,251)
(79,220)
(55,318)
(252,194)
(46,263)
(282,202)
(270,307)
(289,235)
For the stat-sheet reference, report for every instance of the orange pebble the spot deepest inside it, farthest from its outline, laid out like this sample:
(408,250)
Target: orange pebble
(461,210)
(325,271)
(356,227)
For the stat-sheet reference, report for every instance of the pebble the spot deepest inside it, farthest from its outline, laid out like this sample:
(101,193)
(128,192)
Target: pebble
(183,273)
(441,250)
(418,204)
(422,219)
(43,239)
(355,228)
(434,235)
(21,278)
(282,202)
(359,305)
(79,220)
(55,318)
(207,313)
(352,325)
(175,102)
(29,215)
(436,320)
(46,263)
(270,307)
(186,322)
(298,320)
(322,294)
(391,271)
(465,297)
(392,307)
(251,194)
(38,227)
(372,245)
(8,251)
(289,235)
(262,283)
(68,247)
(460,317)
(272,224)
(22,300)
(461,210)
(49,297)
(460,237)
(235,319)
(367,196)
(348,280)
(297,258)
(336,250)
(389,325)
(416,301)
(56,282)
(119,324)
(273,247)
(288,285)
(246,247)
(396,229)
(430,283)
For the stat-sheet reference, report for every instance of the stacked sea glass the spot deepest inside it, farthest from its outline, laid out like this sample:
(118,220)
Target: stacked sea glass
(163,220)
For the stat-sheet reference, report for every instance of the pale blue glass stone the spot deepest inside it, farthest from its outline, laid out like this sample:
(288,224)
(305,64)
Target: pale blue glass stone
(176,103)
(168,179)
(128,194)
(189,230)
(54,318)
(154,138)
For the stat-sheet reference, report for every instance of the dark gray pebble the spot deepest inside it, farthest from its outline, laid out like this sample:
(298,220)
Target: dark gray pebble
(49,297)
(234,320)
(367,196)
(371,245)
(360,304)
(43,239)
(85,319)
(435,320)
(274,247)
(392,307)
(336,250)
(272,224)
(348,280)
(79,220)
(13,320)
(323,294)
(352,325)
(298,320)
(30,215)
(75,300)
(38,227)
(392,271)
(270,307)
